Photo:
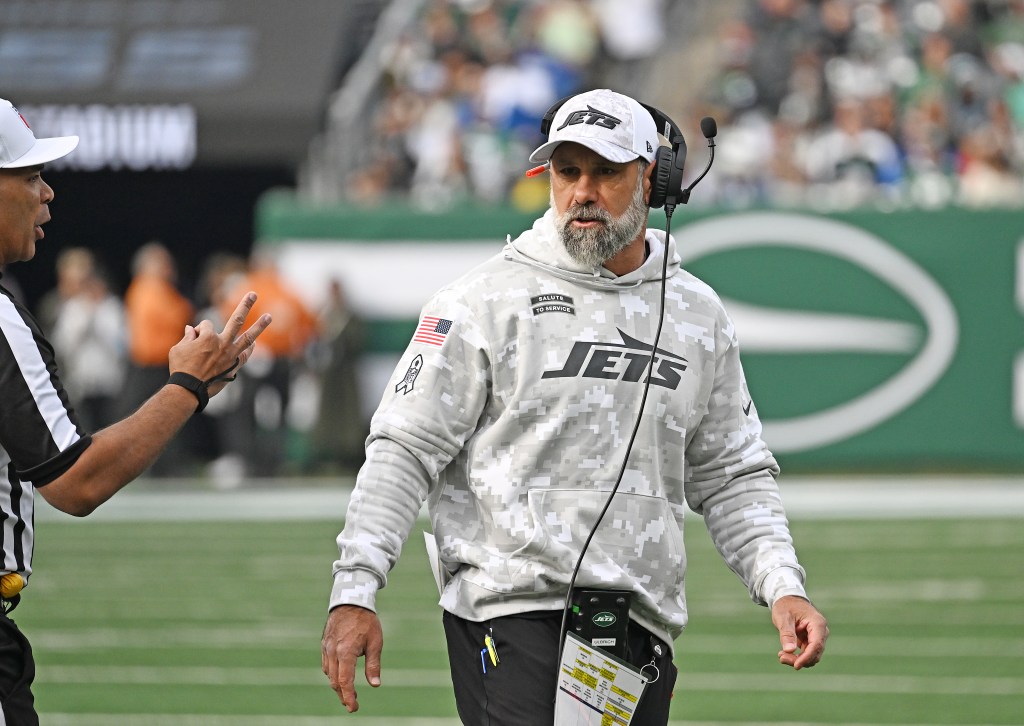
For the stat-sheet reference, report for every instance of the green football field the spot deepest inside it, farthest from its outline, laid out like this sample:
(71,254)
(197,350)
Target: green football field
(160,622)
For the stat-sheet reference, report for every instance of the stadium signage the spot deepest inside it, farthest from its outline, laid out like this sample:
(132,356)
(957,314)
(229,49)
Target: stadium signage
(158,137)
(929,347)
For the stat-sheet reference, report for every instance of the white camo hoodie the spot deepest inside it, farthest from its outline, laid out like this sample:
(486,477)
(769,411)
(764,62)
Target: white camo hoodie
(511,413)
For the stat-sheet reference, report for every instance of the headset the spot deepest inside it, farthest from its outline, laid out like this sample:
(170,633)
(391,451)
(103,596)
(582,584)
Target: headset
(667,176)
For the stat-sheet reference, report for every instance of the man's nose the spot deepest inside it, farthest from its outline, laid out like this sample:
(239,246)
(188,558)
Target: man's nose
(585,190)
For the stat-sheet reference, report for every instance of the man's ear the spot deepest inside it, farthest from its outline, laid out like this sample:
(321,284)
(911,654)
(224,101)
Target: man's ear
(648,181)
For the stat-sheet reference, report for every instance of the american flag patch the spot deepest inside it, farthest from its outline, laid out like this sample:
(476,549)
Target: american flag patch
(432,331)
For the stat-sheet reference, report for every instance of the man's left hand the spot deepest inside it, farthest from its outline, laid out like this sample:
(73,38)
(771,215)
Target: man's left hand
(802,631)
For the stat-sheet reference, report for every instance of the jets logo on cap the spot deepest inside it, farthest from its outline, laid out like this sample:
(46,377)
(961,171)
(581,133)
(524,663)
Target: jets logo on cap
(591,117)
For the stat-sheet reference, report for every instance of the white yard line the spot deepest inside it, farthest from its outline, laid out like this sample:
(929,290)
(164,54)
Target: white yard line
(440,678)
(869,497)
(689,645)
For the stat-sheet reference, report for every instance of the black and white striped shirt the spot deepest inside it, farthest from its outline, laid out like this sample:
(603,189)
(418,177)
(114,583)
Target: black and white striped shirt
(40,437)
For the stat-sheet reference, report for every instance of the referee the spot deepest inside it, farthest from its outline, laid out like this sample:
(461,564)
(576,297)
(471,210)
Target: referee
(42,445)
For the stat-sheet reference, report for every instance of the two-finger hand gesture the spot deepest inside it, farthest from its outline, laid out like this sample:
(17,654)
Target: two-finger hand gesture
(214,357)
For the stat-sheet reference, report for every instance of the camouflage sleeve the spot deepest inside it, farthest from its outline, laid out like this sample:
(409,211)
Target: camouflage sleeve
(430,408)
(380,516)
(731,482)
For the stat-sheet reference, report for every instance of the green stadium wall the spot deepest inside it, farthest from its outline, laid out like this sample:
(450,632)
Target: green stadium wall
(872,341)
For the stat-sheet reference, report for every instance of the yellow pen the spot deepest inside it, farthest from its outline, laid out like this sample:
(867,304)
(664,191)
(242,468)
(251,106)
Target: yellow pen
(491,650)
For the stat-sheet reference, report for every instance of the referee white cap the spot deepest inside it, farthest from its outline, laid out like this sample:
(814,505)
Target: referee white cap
(612,125)
(19,146)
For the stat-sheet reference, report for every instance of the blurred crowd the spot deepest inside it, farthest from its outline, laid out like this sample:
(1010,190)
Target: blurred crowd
(295,407)
(466,88)
(826,103)
(844,103)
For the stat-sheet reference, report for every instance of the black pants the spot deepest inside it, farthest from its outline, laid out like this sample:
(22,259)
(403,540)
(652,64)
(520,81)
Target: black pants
(17,671)
(520,691)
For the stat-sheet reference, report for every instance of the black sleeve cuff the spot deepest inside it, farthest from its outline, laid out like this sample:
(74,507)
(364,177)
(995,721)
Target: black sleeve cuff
(46,472)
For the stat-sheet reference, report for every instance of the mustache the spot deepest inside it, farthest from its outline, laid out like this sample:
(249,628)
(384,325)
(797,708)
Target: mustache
(583,213)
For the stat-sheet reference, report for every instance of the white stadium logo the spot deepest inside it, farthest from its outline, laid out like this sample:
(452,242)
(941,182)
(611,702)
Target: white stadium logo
(790,331)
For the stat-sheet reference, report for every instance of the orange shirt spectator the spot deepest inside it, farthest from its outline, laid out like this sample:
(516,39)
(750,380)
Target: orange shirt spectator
(157,313)
(295,325)
(257,431)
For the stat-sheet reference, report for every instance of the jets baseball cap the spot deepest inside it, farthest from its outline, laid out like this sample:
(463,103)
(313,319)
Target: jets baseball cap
(608,123)
(19,146)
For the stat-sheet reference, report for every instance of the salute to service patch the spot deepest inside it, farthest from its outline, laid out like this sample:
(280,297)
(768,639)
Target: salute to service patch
(552,303)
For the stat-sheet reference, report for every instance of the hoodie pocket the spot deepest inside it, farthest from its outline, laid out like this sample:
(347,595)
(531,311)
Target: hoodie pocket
(639,540)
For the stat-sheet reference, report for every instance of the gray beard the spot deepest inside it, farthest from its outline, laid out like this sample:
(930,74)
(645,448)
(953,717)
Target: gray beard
(594,246)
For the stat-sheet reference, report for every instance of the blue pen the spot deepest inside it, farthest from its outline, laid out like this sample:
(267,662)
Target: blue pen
(483,659)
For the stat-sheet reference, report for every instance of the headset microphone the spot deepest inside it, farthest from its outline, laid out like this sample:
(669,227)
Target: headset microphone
(709,128)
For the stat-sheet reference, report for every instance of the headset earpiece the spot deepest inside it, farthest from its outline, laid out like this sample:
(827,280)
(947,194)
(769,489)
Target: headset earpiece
(660,178)
(667,175)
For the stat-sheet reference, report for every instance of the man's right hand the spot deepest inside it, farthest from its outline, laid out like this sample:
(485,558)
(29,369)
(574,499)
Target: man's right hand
(351,631)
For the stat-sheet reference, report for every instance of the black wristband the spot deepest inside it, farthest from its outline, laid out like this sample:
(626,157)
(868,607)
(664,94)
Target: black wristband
(192,384)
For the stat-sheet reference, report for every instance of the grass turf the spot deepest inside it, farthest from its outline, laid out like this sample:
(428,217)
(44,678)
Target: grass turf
(219,623)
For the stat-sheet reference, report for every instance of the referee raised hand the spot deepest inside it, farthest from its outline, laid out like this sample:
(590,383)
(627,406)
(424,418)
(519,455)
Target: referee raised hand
(201,364)
(43,447)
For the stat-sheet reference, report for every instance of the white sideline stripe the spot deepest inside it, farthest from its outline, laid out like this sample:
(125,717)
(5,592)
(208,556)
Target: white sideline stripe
(874,497)
(437,678)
